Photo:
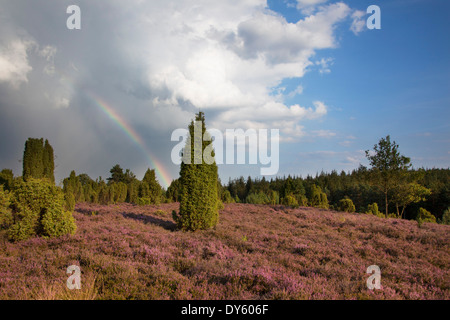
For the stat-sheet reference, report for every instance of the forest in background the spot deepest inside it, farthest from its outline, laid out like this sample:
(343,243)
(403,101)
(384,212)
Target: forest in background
(424,189)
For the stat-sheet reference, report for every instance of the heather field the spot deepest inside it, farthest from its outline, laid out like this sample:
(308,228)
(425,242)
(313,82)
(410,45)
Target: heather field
(256,252)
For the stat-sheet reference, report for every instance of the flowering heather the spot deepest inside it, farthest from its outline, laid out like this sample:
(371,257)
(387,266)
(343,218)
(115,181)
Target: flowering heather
(255,252)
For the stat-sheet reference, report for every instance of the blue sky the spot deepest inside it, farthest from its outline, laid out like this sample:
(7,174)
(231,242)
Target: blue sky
(297,66)
(391,81)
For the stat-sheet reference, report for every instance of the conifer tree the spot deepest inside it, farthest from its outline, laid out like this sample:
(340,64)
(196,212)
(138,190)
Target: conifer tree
(33,166)
(150,190)
(172,193)
(117,174)
(73,185)
(198,179)
(6,178)
(38,160)
(389,168)
(48,162)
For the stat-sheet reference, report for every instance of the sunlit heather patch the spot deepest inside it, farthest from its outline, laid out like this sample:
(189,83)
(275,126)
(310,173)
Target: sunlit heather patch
(256,252)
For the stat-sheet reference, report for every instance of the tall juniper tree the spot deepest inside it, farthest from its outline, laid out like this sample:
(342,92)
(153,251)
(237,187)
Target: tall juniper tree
(38,160)
(198,180)
(48,160)
(149,189)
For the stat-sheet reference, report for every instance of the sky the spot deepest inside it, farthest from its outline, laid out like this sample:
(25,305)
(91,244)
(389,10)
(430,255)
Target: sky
(113,91)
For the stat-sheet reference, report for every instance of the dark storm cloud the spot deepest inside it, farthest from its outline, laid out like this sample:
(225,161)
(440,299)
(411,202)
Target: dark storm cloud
(155,63)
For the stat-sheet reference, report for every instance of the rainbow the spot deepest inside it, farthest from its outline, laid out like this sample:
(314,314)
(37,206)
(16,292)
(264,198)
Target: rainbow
(161,172)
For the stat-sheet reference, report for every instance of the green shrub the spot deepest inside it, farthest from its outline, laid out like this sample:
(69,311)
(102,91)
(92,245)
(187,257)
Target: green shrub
(226,197)
(38,208)
(69,201)
(346,205)
(6,178)
(373,209)
(160,213)
(446,217)
(118,192)
(318,198)
(144,201)
(290,201)
(6,218)
(424,215)
(302,200)
(258,198)
(274,198)
(103,193)
(26,226)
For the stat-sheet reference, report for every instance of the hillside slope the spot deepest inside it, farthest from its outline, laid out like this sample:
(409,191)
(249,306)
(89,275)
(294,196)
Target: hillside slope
(256,252)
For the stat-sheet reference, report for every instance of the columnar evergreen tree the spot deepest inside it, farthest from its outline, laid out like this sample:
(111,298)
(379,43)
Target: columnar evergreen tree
(133,191)
(38,160)
(149,189)
(49,162)
(198,178)
(173,191)
(117,192)
(103,192)
(73,185)
(6,178)
(33,166)
(90,187)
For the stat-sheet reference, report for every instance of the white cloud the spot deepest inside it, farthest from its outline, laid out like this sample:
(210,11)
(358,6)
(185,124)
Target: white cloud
(14,64)
(352,160)
(324,133)
(358,22)
(231,61)
(308,6)
(225,57)
(48,53)
(157,62)
(305,3)
(296,91)
(346,143)
(324,65)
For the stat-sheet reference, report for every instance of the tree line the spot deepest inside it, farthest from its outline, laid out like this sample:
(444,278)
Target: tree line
(390,187)
(121,186)
(326,190)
